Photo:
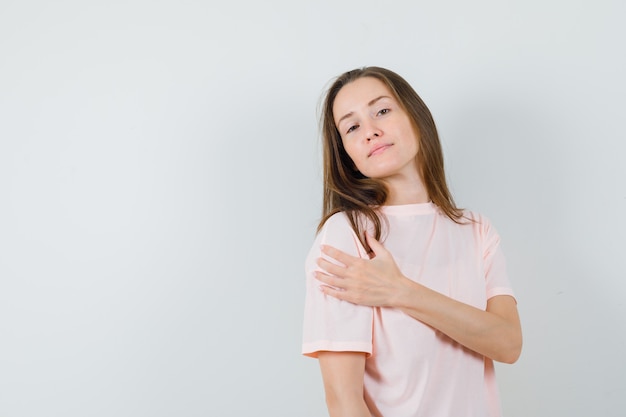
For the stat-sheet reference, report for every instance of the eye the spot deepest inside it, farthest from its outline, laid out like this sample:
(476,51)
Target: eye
(383,112)
(352,128)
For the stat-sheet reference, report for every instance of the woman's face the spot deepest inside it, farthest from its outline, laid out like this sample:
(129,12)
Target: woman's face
(375,130)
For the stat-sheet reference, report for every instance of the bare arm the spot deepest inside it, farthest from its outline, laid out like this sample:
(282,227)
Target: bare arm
(494,332)
(343,374)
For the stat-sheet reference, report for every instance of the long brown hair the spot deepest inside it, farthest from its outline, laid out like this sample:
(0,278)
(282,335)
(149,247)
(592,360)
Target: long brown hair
(359,197)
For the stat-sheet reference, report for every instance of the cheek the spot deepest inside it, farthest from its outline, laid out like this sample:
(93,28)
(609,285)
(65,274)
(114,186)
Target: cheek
(353,153)
(350,149)
(415,143)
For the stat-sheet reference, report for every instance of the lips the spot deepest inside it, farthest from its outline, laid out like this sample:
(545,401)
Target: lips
(378,149)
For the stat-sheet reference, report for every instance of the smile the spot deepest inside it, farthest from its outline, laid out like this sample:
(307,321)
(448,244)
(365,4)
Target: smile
(379,149)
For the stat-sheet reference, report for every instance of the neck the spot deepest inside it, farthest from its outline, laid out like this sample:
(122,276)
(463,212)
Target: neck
(406,191)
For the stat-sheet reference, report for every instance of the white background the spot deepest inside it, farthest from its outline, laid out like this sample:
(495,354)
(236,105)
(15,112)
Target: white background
(160,187)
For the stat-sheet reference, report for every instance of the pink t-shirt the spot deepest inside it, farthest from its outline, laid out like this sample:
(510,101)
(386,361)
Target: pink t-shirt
(411,369)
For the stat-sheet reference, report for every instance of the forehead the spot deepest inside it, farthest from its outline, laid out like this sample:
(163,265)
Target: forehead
(357,94)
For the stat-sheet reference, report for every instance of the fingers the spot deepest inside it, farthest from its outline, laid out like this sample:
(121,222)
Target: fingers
(335,253)
(375,245)
(337,293)
(331,286)
(330,267)
(328,280)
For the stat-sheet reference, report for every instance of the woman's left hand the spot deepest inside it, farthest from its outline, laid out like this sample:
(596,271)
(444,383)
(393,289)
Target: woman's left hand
(375,282)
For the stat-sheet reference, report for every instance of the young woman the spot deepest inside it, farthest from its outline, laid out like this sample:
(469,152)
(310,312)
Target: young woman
(408,301)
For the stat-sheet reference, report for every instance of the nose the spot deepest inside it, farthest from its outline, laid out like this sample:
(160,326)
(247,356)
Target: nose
(373,132)
(370,137)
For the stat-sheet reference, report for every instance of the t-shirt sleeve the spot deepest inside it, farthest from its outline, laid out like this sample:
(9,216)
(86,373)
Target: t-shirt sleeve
(331,324)
(494,264)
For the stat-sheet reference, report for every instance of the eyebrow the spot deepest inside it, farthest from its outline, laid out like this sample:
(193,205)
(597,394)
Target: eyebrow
(371,103)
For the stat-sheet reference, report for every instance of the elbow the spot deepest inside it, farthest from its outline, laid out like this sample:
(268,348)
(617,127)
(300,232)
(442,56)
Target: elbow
(511,357)
(333,403)
(345,400)
(511,352)
(335,407)
(344,406)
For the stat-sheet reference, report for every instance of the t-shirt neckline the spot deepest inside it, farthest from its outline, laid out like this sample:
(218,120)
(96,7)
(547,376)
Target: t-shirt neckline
(409,209)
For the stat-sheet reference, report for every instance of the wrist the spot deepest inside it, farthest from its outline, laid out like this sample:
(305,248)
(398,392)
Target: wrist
(405,294)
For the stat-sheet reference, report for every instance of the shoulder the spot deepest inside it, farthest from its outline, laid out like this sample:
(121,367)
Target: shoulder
(476,219)
(337,224)
(337,231)
(337,220)
(481,226)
